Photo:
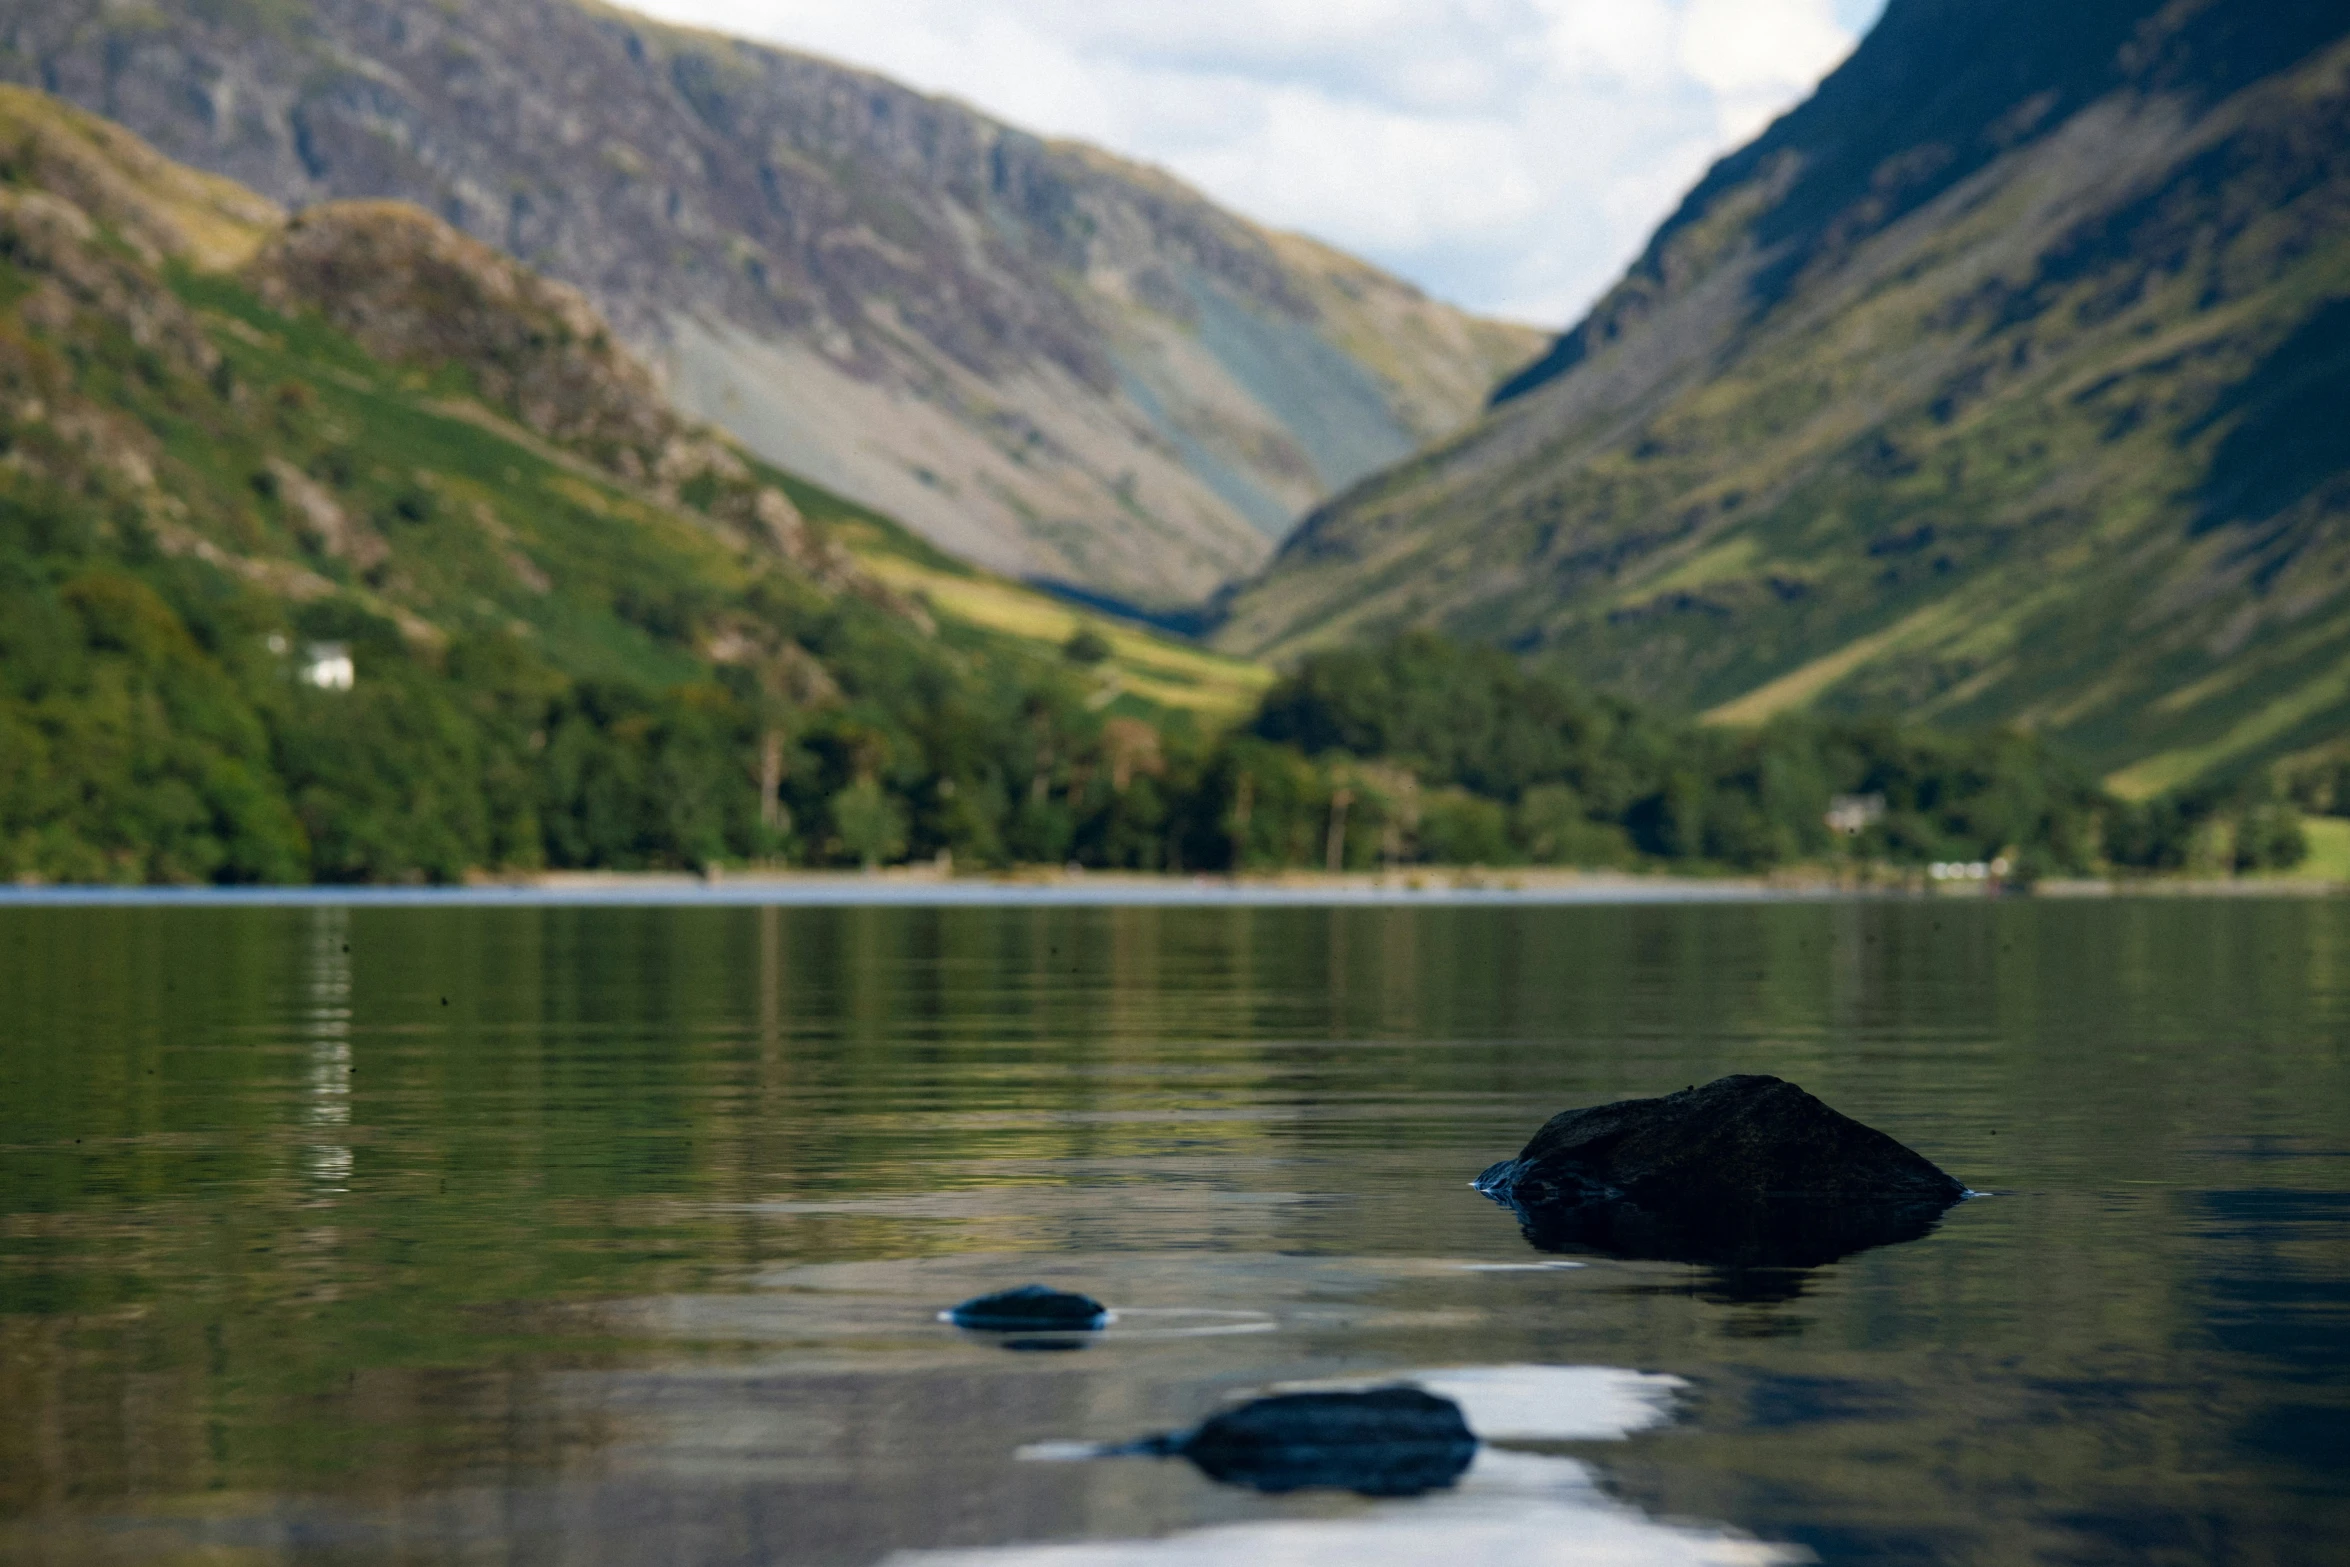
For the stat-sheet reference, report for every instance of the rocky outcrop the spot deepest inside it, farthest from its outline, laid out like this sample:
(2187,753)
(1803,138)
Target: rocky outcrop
(1391,1441)
(76,282)
(1050,361)
(89,214)
(1746,1170)
(414,291)
(156,208)
(328,525)
(55,246)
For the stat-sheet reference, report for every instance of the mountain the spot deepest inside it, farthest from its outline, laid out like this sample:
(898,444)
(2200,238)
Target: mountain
(2006,380)
(344,547)
(1044,359)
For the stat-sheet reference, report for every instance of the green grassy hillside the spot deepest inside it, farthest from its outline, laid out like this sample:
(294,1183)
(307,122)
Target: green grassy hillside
(2004,382)
(583,632)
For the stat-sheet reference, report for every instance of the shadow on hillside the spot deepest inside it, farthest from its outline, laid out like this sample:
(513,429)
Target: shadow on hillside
(2285,442)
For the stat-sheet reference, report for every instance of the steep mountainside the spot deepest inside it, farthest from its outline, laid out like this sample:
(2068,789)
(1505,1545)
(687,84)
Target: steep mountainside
(1045,360)
(347,548)
(2008,379)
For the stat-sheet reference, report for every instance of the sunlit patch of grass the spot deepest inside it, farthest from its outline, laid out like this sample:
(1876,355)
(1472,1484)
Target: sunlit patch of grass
(1156,668)
(2169,769)
(2329,849)
(1724,562)
(1798,686)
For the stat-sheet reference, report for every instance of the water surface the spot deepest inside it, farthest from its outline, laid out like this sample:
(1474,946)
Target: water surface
(618,1235)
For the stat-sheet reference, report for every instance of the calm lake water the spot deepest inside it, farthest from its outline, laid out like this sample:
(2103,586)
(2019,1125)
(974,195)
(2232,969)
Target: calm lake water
(618,1235)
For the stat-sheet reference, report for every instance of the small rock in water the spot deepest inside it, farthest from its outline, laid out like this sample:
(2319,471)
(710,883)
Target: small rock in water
(1746,1170)
(1390,1441)
(1032,1308)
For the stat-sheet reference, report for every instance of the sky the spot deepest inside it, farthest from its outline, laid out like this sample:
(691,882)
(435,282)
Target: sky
(1507,155)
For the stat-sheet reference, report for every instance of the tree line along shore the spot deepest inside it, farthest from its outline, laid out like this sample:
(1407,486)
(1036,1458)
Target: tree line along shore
(157,739)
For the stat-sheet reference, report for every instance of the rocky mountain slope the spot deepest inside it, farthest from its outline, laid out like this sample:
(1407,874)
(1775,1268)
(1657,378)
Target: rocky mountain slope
(2007,379)
(1044,359)
(347,548)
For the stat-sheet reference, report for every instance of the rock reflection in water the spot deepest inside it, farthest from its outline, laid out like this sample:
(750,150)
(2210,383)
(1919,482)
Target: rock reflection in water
(1411,1436)
(1491,1503)
(1523,1508)
(1762,1250)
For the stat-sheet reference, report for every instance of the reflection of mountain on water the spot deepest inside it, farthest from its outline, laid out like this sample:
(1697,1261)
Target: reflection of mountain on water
(2272,1288)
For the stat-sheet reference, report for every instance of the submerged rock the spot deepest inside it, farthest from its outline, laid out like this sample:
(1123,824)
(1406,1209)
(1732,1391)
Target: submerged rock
(1032,1308)
(1390,1441)
(1747,1171)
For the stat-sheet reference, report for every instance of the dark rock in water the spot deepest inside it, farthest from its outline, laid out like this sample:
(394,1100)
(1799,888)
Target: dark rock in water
(1032,1308)
(1390,1441)
(1743,1172)
(1735,1139)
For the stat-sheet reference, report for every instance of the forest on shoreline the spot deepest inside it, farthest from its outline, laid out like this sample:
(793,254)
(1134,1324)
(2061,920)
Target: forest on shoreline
(148,734)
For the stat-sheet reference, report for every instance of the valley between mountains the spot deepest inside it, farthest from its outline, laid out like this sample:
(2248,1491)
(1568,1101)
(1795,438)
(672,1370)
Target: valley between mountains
(788,444)
(1044,359)
(2005,381)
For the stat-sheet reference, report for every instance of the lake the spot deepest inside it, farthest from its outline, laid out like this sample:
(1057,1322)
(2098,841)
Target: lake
(619,1234)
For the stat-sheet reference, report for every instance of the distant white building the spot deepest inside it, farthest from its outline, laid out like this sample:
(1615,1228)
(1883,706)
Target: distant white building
(328,666)
(1854,814)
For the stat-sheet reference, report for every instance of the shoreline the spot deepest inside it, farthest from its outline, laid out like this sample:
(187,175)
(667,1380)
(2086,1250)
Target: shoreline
(928,886)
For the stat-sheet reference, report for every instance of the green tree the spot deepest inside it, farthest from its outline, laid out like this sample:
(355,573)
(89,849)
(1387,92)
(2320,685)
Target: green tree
(1553,827)
(1459,828)
(870,825)
(1087,647)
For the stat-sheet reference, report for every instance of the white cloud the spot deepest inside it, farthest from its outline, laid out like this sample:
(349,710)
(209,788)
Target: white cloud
(1508,154)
